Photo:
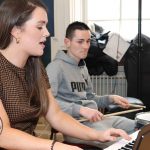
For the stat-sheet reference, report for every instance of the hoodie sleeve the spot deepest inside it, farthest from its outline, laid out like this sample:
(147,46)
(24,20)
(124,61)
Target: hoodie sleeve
(55,77)
(72,109)
(102,101)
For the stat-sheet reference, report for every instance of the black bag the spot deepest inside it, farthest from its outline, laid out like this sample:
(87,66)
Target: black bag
(97,61)
(131,69)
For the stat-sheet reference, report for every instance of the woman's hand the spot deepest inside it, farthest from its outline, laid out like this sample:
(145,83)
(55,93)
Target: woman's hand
(121,101)
(112,134)
(92,115)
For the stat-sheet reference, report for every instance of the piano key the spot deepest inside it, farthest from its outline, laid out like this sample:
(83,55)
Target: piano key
(128,146)
(125,148)
(131,144)
(121,143)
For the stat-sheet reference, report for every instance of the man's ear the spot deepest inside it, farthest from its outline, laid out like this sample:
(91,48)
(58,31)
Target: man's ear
(67,42)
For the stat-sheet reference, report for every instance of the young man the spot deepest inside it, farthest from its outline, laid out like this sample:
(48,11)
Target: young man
(71,86)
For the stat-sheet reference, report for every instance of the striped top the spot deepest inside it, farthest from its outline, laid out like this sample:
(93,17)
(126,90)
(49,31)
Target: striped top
(14,93)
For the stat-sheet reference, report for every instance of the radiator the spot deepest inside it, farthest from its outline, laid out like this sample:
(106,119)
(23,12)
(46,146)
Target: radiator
(104,84)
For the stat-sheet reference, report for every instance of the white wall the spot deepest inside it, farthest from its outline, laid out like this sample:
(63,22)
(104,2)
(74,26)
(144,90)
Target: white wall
(65,11)
(61,20)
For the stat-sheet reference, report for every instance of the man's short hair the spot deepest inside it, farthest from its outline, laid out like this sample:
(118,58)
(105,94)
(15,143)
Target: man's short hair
(75,26)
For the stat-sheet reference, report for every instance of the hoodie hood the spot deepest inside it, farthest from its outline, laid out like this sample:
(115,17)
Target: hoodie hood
(62,55)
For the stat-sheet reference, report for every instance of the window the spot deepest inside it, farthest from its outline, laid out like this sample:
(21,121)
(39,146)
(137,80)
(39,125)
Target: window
(120,16)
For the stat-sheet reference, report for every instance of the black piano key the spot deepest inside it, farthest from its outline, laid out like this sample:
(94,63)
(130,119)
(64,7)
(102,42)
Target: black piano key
(133,141)
(125,148)
(131,144)
(128,146)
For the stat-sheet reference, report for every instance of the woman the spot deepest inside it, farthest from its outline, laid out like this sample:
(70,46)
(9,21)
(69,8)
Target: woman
(25,93)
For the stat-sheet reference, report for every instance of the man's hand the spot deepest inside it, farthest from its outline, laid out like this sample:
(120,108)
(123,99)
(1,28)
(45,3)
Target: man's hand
(123,102)
(92,115)
(112,134)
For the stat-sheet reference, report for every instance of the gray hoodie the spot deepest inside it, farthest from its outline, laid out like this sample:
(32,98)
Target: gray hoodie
(71,85)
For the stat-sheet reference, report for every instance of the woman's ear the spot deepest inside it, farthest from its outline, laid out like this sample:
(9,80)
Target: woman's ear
(15,32)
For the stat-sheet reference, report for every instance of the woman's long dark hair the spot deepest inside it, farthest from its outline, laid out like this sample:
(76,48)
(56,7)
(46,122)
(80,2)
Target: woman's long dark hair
(16,13)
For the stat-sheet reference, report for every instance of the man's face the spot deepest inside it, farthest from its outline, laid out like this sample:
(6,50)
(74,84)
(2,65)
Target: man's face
(79,45)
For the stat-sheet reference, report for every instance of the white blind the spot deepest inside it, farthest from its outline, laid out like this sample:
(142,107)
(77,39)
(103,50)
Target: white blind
(119,16)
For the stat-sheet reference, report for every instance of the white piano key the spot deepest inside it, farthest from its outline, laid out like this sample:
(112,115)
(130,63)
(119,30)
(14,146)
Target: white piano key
(122,142)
